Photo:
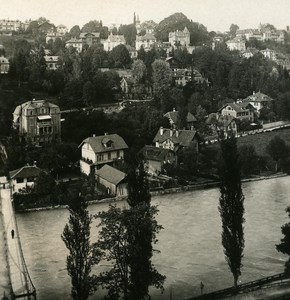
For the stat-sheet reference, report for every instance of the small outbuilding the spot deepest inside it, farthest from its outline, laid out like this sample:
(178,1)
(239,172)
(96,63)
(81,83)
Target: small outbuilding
(23,177)
(113,180)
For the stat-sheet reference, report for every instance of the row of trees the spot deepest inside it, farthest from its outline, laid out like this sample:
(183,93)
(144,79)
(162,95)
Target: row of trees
(126,240)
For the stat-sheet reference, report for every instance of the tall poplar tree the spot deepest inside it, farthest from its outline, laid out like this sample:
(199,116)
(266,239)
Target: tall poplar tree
(82,256)
(231,207)
(143,228)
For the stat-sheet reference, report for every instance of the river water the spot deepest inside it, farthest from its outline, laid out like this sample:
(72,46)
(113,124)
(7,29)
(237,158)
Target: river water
(190,242)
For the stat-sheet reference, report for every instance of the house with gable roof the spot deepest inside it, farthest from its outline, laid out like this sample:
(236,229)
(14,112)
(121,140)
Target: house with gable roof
(221,125)
(23,177)
(113,41)
(155,158)
(90,38)
(173,117)
(113,180)
(237,110)
(258,100)
(176,139)
(146,41)
(236,44)
(97,151)
(75,43)
(179,36)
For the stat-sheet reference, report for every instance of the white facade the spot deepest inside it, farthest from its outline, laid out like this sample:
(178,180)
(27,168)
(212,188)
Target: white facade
(146,41)
(236,44)
(113,41)
(182,37)
(75,43)
(9,25)
(51,62)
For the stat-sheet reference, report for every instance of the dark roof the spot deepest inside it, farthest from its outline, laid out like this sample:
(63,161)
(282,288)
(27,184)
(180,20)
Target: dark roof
(85,34)
(234,106)
(154,153)
(174,115)
(258,97)
(25,172)
(111,174)
(220,120)
(97,143)
(246,105)
(183,138)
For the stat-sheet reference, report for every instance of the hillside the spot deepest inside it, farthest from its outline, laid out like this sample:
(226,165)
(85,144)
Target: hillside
(260,141)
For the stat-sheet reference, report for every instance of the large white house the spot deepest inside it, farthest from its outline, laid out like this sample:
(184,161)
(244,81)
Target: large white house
(113,41)
(97,151)
(146,41)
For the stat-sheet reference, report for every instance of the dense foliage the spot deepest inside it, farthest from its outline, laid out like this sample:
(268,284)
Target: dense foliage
(231,207)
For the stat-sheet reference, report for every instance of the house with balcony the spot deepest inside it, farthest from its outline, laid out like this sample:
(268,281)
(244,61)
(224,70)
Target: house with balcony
(37,121)
(97,151)
(90,38)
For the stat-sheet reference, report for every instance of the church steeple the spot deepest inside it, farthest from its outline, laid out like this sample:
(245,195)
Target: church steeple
(134,19)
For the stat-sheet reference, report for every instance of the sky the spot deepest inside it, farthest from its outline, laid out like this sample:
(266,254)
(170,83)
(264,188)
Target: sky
(216,15)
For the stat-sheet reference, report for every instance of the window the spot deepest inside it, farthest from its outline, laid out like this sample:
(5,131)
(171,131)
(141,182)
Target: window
(19,180)
(109,155)
(30,179)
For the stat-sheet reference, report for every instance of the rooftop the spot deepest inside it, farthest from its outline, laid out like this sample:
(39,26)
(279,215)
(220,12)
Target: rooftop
(178,137)
(111,174)
(98,143)
(25,172)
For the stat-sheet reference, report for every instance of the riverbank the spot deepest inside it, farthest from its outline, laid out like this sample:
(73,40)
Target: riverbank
(181,189)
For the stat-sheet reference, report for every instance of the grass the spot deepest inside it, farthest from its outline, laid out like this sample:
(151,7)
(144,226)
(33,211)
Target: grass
(260,140)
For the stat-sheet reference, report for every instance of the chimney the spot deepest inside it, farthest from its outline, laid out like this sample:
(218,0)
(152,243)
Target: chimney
(173,108)
(34,163)
(171,132)
(177,133)
(106,133)
(161,130)
(94,135)
(254,92)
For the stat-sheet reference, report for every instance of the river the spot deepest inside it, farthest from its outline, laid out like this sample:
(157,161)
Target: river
(190,242)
